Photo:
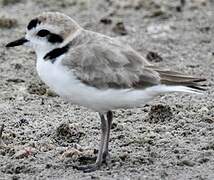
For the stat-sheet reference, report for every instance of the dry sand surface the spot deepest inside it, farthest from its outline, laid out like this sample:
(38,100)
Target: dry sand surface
(170,138)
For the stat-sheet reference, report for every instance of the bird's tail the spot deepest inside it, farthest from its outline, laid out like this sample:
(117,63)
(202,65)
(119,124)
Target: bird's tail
(179,81)
(170,88)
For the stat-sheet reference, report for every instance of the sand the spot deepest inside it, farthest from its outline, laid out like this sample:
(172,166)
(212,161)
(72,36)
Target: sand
(171,138)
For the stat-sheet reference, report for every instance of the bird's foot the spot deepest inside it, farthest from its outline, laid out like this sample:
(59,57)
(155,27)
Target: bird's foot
(96,166)
(88,168)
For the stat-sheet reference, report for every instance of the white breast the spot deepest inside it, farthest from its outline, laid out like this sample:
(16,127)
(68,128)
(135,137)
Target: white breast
(57,77)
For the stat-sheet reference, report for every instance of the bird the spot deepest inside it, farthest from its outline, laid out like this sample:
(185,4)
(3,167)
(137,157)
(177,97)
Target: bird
(97,71)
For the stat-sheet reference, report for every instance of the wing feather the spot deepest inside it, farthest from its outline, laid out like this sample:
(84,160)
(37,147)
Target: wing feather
(104,62)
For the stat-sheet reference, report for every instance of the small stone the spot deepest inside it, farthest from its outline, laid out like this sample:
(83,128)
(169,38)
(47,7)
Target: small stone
(209,120)
(24,153)
(160,29)
(203,160)
(87,156)
(178,8)
(106,20)
(8,2)
(7,22)
(20,154)
(15,80)
(153,57)
(71,153)
(157,12)
(114,125)
(22,122)
(120,29)
(200,2)
(123,156)
(83,156)
(50,93)
(48,166)
(60,150)
(186,163)
(17,66)
(205,29)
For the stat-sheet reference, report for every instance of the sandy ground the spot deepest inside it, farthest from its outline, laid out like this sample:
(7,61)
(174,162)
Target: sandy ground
(170,138)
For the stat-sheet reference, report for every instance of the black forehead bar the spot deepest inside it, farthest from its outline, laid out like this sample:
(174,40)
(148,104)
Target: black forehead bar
(55,38)
(33,23)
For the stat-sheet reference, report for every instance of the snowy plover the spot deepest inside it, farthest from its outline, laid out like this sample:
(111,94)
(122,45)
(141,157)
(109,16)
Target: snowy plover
(97,71)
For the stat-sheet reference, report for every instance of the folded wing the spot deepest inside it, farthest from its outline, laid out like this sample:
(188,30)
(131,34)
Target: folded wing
(103,62)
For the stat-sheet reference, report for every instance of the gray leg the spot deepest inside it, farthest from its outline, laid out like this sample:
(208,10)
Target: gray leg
(104,129)
(106,148)
(1,131)
(99,160)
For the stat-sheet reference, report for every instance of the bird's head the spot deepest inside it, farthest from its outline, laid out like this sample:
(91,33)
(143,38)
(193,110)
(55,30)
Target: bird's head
(47,31)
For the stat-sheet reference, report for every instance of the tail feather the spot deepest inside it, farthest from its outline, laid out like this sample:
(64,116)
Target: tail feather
(169,77)
(176,78)
(201,88)
(169,88)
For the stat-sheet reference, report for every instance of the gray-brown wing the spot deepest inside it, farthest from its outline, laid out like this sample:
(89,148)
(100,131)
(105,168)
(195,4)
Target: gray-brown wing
(106,63)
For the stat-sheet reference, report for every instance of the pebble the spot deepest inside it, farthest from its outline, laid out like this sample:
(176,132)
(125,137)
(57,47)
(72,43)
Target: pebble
(153,57)
(26,152)
(119,28)
(6,22)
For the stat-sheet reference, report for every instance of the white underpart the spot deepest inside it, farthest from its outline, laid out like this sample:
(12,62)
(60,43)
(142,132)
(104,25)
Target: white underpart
(63,82)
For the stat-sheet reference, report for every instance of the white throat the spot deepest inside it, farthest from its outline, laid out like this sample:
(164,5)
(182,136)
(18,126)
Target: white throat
(42,50)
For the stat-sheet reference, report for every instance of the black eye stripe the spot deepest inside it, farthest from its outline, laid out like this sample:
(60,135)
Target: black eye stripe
(55,38)
(52,38)
(33,23)
(43,33)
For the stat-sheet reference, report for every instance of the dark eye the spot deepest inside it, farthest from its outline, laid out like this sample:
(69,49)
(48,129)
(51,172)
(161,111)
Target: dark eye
(43,33)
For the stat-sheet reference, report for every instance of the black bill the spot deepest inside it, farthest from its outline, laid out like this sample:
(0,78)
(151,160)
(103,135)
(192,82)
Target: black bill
(18,42)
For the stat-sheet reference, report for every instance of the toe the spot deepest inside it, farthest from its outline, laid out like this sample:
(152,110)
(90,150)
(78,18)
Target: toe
(106,157)
(92,168)
(88,168)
